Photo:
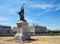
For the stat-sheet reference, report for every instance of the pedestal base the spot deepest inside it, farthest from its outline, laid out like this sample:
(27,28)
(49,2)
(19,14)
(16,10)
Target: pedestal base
(20,36)
(22,33)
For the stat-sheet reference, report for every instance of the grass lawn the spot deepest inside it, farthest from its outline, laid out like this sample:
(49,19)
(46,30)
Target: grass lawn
(35,40)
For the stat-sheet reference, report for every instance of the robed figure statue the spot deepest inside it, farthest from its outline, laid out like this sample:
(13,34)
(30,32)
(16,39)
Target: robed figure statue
(21,14)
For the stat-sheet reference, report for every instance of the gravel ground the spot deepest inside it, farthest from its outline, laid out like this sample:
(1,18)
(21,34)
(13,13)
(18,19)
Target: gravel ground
(34,40)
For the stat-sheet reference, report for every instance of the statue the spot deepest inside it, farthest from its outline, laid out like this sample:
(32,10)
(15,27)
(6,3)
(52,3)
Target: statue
(21,14)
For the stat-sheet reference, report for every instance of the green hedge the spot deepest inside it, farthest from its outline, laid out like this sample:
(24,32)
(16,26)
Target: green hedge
(53,31)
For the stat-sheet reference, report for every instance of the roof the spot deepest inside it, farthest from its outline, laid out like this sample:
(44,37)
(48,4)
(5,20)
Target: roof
(5,25)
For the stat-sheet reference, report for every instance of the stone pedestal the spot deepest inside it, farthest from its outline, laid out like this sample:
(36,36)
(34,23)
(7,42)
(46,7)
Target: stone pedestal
(22,31)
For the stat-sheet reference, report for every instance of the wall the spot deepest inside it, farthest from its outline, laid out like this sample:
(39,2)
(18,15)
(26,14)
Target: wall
(5,30)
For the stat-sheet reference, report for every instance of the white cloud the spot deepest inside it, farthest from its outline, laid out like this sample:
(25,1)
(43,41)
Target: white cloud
(22,1)
(58,8)
(43,6)
(44,12)
(8,10)
(4,19)
(53,27)
(29,20)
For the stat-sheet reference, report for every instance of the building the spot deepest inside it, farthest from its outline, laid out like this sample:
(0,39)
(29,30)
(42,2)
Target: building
(34,29)
(5,30)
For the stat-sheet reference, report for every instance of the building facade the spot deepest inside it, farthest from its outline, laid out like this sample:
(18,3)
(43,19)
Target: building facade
(34,29)
(5,30)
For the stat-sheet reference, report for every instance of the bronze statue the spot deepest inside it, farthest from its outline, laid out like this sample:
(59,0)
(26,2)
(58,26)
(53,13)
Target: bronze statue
(21,14)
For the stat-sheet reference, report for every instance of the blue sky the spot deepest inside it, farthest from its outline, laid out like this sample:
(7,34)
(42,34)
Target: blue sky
(41,12)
